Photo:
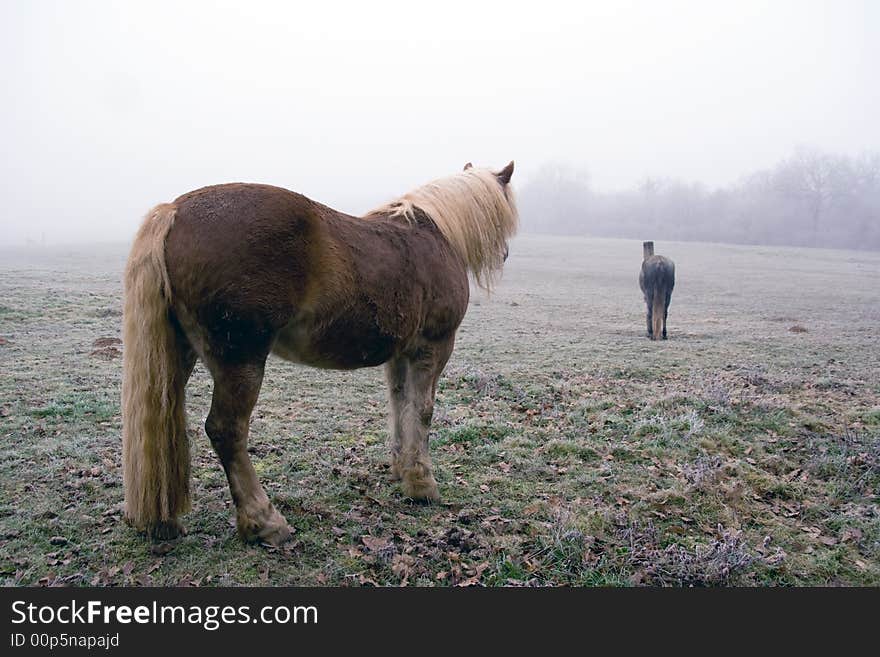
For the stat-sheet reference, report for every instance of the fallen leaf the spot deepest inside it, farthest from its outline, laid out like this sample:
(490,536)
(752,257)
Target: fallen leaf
(475,578)
(375,544)
(401,565)
(161,549)
(106,342)
(851,534)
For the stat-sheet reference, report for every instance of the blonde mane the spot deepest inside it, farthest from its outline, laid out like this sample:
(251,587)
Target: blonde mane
(474,211)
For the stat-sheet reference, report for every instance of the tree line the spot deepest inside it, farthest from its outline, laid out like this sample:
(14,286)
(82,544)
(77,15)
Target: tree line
(812,198)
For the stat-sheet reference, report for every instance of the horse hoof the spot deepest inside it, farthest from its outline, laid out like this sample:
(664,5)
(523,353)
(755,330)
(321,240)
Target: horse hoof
(273,531)
(421,490)
(395,473)
(167,530)
(275,536)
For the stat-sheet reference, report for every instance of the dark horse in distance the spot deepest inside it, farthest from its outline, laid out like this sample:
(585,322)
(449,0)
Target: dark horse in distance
(656,279)
(231,273)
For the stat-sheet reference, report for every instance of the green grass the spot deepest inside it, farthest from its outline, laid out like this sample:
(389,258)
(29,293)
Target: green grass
(74,408)
(569,449)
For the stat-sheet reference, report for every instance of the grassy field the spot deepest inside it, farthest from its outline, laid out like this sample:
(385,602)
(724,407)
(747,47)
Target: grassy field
(569,449)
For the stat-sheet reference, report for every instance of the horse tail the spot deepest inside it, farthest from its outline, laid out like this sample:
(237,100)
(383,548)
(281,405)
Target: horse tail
(155,448)
(658,310)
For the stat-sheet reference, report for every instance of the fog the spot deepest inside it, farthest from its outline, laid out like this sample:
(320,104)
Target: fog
(812,198)
(108,108)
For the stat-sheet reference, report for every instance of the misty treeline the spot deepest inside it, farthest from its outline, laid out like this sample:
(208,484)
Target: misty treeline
(812,198)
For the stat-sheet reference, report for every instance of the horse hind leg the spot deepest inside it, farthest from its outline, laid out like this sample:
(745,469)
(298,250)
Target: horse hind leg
(174,528)
(666,310)
(236,389)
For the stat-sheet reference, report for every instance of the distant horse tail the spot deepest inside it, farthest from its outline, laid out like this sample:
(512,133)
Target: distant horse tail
(155,448)
(658,311)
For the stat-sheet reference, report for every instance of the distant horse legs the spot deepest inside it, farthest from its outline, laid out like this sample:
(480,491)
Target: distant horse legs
(412,382)
(236,388)
(666,310)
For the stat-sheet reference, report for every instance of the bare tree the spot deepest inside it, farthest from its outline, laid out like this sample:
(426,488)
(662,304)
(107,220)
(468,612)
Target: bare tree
(811,198)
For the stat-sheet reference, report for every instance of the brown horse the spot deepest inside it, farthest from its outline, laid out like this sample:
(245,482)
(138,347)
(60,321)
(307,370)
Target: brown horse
(656,279)
(231,273)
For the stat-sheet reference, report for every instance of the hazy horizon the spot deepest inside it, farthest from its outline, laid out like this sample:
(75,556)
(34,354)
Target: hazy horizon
(110,108)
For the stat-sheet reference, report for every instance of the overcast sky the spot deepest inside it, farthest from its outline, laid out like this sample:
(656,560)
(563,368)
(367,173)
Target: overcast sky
(107,108)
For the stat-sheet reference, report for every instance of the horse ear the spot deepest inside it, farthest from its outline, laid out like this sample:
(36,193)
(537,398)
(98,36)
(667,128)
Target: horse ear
(505,174)
(467,166)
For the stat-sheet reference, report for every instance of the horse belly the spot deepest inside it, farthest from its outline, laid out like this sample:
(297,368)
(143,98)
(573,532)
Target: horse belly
(336,345)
